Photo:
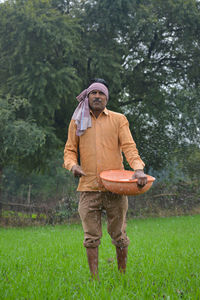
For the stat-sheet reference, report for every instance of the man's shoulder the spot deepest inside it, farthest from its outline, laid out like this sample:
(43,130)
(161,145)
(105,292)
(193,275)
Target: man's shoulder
(115,114)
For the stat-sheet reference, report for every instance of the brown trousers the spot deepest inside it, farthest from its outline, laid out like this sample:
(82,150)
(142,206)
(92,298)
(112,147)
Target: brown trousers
(90,209)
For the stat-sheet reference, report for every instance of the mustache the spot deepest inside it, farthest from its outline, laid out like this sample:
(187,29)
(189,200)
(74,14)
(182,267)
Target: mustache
(97,100)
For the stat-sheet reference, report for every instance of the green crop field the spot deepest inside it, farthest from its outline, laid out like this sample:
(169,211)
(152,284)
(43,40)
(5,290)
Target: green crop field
(50,262)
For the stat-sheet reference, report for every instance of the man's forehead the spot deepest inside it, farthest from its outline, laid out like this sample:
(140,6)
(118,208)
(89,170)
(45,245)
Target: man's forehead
(96,91)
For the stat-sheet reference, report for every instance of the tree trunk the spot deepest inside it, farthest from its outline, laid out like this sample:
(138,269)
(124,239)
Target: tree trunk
(29,194)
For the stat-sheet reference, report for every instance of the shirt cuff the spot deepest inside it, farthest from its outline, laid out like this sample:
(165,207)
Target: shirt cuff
(69,166)
(138,166)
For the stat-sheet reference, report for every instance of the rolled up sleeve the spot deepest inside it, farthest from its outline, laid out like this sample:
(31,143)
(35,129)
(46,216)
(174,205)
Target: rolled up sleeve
(128,146)
(71,147)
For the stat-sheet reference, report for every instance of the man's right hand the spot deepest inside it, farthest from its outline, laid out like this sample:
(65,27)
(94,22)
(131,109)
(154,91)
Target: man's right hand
(77,171)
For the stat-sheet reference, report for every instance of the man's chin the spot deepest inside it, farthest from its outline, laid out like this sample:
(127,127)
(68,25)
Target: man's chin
(97,107)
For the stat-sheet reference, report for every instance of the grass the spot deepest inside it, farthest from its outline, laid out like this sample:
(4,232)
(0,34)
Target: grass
(50,262)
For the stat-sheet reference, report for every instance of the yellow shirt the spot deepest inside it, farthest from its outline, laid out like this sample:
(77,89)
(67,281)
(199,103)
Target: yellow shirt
(101,148)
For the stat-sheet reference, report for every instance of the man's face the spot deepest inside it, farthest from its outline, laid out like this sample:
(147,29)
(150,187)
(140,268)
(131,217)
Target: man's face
(97,100)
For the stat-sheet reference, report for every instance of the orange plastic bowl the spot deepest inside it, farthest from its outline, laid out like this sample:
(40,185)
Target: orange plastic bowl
(120,182)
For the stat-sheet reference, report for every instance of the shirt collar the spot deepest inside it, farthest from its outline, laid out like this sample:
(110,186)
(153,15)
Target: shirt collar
(105,111)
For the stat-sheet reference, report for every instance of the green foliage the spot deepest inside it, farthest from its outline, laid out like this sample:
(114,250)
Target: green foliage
(190,163)
(54,186)
(39,46)
(151,59)
(147,51)
(39,51)
(159,39)
(20,136)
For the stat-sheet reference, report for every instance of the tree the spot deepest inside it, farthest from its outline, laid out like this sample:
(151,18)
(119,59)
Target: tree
(159,43)
(147,51)
(20,137)
(40,48)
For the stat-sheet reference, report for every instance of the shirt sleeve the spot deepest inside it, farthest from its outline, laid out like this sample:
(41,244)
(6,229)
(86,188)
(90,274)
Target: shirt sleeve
(128,146)
(71,147)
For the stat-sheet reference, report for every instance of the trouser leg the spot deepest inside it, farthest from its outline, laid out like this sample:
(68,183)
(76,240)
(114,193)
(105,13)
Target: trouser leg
(116,208)
(92,255)
(122,258)
(90,213)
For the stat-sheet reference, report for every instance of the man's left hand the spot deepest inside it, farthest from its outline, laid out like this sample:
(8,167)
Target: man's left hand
(141,177)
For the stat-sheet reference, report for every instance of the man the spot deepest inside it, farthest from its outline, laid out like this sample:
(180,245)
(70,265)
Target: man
(100,136)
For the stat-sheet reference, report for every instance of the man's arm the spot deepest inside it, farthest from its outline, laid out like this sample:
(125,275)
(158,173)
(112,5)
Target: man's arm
(71,151)
(128,147)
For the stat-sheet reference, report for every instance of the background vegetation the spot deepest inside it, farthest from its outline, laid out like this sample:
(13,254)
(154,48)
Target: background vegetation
(148,51)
